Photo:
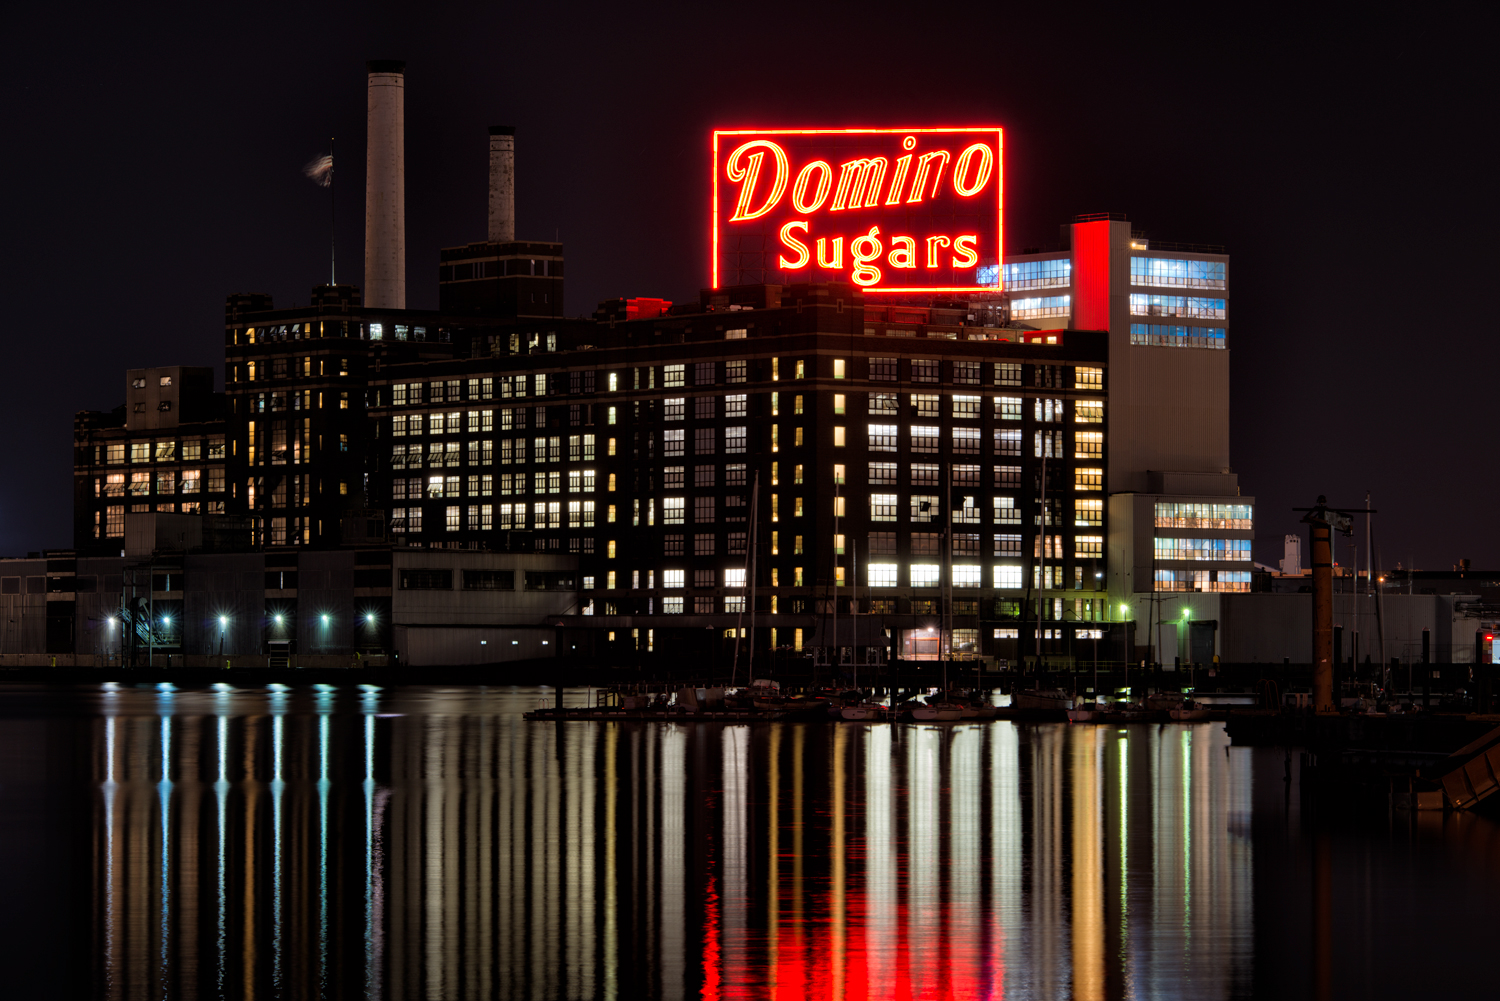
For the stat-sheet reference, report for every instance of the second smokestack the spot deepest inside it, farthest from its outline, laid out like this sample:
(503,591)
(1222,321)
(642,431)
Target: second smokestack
(502,227)
(385,185)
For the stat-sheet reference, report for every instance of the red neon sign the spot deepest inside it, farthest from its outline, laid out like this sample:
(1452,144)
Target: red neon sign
(891,210)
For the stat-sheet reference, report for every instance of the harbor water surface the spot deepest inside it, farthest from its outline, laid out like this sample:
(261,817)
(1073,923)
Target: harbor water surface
(413,842)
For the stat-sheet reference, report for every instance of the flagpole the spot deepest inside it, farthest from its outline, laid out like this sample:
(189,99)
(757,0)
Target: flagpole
(333,271)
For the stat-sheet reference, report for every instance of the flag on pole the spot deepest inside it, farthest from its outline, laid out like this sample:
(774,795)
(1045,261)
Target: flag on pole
(320,171)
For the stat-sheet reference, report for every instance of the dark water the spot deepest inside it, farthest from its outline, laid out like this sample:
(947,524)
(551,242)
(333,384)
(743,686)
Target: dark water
(429,843)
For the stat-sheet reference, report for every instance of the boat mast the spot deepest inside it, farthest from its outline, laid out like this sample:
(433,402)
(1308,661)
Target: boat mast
(1041,551)
(836,498)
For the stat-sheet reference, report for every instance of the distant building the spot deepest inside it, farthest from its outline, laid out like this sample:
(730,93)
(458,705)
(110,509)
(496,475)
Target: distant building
(163,450)
(1177,519)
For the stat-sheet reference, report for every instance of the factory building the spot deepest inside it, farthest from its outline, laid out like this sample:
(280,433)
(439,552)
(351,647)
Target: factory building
(1013,473)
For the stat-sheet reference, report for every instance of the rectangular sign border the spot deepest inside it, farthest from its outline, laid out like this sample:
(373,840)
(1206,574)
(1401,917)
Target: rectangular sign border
(999,131)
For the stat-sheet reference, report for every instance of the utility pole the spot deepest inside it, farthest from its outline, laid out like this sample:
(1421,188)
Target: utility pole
(1322,520)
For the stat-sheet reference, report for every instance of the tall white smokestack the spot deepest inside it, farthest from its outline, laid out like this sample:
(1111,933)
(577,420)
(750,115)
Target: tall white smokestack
(385,186)
(502,184)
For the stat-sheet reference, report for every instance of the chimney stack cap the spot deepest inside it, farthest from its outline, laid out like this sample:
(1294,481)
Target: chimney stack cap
(502,130)
(386,65)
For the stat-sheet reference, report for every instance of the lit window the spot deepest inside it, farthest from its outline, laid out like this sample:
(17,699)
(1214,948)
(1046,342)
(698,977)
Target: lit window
(1006,512)
(674,409)
(1008,408)
(1088,378)
(966,575)
(1088,411)
(838,368)
(838,403)
(734,577)
(966,407)
(925,574)
(1177,305)
(883,438)
(674,376)
(1008,544)
(1088,546)
(924,439)
(924,507)
(673,578)
(1088,479)
(1052,305)
(1088,512)
(734,440)
(674,442)
(1008,442)
(882,474)
(838,437)
(1214,550)
(1007,576)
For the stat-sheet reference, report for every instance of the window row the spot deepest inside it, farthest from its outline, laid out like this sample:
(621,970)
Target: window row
(1215,550)
(484,485)
(1190,514)
(110,522)
(1203,580)
(1039,274)
(1005,408)
(704,407)
(1143,304)
(579,448)
(502,517)
(1159,335)
(1002,576)
(1042,306)
(1050,547)
(965,441)
(279,401)
(188,481)
(1167,272)
(113,454)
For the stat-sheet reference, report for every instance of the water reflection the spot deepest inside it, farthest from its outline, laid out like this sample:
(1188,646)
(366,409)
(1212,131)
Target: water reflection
(429,843)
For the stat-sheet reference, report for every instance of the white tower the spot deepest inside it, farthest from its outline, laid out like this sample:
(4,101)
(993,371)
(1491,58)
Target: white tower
(385,186)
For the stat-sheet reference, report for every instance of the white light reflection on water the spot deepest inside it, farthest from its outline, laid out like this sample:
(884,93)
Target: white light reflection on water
(426,843)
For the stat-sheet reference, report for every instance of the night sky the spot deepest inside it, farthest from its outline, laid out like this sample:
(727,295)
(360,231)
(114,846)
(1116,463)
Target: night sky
(153,164)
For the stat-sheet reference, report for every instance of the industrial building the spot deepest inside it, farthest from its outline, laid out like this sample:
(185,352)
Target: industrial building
(1020,472)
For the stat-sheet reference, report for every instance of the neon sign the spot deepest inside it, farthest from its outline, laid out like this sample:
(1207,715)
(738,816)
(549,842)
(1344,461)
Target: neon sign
(891,210)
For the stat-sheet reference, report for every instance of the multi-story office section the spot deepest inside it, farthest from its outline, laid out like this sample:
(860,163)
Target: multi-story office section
(847,445)
(1177,520)
(162,451)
